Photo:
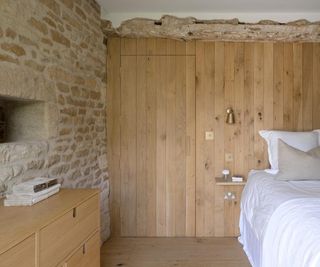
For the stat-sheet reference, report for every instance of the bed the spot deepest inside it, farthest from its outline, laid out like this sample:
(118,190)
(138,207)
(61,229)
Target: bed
(280,221)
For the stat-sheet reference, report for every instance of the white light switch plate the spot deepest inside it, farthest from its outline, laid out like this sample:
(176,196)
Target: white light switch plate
(209,135)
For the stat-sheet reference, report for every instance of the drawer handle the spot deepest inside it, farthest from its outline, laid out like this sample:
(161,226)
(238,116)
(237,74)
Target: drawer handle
(74,213)
(84,249)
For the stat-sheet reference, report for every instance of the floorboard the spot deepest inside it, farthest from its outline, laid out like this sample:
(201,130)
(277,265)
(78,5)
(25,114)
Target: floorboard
(173,252)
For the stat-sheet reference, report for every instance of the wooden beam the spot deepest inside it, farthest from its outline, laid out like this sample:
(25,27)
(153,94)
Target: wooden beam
(216,30)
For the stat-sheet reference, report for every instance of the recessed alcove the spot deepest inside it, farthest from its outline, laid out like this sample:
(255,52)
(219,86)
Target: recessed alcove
(22,120)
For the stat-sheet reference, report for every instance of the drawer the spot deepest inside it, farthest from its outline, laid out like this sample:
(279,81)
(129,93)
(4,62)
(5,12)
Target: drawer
(61,237)
(87,255)
(22,255)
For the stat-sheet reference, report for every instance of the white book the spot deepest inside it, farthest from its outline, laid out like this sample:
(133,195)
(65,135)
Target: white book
(28,196)
(29,201)
(34,185)
(237,179)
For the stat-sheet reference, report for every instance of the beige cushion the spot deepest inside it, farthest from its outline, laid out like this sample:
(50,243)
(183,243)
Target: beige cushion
(315,152)
(295,164)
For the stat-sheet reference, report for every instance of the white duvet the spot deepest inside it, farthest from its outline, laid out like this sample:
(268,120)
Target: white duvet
(285,219)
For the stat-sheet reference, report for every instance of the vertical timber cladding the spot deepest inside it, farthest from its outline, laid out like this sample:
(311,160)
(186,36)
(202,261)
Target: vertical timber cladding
(153,186)
(162,168)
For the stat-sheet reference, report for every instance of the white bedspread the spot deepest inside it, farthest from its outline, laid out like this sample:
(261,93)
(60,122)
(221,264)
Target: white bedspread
(292,237)
(270,205)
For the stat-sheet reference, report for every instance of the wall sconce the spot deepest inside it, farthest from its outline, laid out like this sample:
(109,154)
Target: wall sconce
(230,116)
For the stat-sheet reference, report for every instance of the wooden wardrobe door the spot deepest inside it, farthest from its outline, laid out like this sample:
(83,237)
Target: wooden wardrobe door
(157,146)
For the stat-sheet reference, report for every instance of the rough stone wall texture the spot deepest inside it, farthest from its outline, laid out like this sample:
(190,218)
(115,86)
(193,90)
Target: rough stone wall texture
(53,51)
(216,30)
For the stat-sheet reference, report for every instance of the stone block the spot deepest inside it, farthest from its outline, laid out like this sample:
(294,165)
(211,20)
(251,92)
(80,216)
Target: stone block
(35,164)
(65,131)
(61,100)
(53,160)
(34,65)
(59,38)
(51,4)
(75,164)
(75,91)
(50,22)
(10,33)
(8,58)
(14,152)
(95,95)
(59,170)
(62,87)
(75,175)
(71,111)
(6,173)
(47,41)
(68,3)
(13,48)
(27,41)
(38,25)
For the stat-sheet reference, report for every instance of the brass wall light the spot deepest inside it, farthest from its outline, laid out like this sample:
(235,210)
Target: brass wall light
(230,116)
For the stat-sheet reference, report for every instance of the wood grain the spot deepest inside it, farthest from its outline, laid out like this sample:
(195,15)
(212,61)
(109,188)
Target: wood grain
(87,255)
(288,87)
(161,146)
(18,223)
(316,87)
(170,252)
(204,148)
(297,87)
(307,85)
(23,254)
(179,91)
(58,239)
(258,100)
(190,145)
(128,158)
(157,169)
(52,229)
(142,147)
(170,151)
(113,126)
(248,102)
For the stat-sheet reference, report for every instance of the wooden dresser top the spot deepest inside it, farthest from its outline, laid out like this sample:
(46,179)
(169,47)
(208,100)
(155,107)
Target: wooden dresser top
(17,223)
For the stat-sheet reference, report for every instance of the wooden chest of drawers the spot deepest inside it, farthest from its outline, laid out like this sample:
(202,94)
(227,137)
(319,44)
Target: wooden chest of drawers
(63,231)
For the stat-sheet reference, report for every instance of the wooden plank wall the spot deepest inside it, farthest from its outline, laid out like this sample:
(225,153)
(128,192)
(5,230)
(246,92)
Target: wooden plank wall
(156,99)
(158,191)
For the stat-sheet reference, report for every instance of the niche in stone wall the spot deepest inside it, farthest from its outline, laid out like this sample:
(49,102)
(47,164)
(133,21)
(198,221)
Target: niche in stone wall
(22,120)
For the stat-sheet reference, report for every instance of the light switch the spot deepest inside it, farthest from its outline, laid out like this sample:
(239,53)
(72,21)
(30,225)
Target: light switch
(209,135)
(228,157)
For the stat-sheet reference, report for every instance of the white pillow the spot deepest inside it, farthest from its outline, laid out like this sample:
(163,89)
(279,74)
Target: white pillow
(301,140)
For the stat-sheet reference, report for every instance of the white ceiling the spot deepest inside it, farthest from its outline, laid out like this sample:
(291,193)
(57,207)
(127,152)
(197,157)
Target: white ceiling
(248,10)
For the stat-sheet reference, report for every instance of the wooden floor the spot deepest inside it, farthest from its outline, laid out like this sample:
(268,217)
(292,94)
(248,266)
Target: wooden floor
(173,252)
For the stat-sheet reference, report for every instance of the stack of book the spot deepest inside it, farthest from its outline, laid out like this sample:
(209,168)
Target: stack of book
(32,192)
(237,179)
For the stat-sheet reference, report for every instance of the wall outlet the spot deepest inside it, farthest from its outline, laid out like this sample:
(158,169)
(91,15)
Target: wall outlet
(229,196)
(228,157)
(209,135)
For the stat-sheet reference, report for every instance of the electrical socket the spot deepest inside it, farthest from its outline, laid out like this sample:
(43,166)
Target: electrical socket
(230,196)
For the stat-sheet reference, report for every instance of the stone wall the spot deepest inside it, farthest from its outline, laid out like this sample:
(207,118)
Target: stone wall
(53,51)
(216,30)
